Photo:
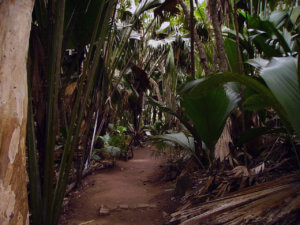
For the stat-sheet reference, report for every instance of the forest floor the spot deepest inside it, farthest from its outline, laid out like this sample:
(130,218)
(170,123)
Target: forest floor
(132,192)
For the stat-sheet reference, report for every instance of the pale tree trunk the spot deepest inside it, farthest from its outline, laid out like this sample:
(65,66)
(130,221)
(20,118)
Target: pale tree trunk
(15,24)
(156,87)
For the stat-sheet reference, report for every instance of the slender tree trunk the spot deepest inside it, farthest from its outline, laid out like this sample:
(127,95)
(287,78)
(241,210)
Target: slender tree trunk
(219,42)
(203,55)
(192,37)
(237,39)
(15,24)
(221,148)
(156,87)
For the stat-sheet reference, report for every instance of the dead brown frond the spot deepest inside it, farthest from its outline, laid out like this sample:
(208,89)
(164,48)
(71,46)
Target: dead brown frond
(273,202)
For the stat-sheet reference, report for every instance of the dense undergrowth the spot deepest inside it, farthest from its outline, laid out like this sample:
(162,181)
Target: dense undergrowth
(214,82)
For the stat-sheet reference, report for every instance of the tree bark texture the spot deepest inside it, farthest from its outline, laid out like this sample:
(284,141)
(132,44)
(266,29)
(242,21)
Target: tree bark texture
(156,87)
(203,55)
(219,42)
(221,148)
(15,24)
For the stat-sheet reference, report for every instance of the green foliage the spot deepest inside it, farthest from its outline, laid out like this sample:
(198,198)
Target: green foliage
(53,38)
(182,118)
(271,36)
(209,111)
(157,128)
(171,69)
(231,51)
(200,13)
(255,103)
(178,138)
(115,143)
(80,20)
(281,78)
(95,155)
(145,5)
(215,80)
(268,40)
(281,93)
(257,132)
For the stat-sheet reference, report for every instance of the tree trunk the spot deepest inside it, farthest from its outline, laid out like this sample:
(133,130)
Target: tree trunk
(222,146)
(15,23)
(219,42)
(203,55)
(192,37)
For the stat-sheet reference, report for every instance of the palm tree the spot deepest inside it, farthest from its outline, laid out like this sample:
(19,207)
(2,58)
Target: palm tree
(79,76)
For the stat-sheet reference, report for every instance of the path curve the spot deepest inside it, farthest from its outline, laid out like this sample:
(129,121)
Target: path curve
(128,194)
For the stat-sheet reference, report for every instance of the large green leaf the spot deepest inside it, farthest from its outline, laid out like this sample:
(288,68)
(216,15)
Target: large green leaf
(281,77)
(231,52)
(244,43)
(209,112)
(278,18)
(204,86)
(255,103)
(182,140)
(295,14)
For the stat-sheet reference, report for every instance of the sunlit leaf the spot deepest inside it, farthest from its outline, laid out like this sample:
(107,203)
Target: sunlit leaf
(178,138)
(145,5)
(163,28)
(258,62)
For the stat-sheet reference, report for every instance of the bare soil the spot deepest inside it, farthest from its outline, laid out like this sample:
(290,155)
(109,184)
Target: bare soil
(130,193)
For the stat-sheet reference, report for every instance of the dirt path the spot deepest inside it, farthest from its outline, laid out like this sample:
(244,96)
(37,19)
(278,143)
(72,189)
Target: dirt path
(130,193)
